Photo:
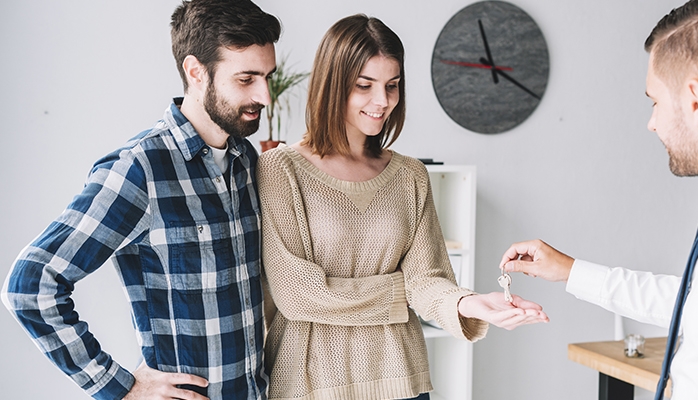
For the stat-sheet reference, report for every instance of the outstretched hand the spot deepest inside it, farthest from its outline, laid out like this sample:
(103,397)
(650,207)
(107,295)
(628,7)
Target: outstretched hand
(537,258)
(154,384)
(494,309)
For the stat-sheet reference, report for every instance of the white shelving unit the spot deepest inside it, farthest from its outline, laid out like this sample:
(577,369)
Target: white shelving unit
(450,359)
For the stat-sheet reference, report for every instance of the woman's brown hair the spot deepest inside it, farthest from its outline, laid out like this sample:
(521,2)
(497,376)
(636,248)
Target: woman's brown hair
(342,54)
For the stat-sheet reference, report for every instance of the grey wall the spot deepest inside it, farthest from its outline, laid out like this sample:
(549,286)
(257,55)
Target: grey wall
(583,173)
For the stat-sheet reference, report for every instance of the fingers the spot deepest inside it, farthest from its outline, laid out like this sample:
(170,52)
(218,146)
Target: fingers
(175,380)
(153,384)
(527,267)
(533,313)
(494,309)
(511,319)
(538,259)
(526,318)
(516,322)
(183,394)
(521,250)
(522,303)
(186,379)
(504,314)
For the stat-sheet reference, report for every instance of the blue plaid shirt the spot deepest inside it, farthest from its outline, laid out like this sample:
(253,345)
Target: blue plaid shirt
(187,249)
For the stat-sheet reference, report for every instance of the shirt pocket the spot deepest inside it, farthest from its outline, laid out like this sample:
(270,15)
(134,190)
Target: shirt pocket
(201,257)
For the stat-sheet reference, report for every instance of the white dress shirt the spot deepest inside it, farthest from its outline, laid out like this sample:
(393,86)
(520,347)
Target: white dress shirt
(647,298)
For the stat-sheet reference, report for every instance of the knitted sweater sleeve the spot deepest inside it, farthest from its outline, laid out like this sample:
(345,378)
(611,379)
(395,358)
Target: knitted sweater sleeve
(430,283)
(300,288)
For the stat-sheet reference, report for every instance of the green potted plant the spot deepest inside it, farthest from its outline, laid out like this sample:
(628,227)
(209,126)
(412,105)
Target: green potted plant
(280,82)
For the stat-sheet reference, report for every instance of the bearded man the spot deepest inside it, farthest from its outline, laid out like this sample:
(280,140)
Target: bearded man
(176,211)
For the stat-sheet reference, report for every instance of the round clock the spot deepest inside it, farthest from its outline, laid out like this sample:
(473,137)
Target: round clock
(490,67)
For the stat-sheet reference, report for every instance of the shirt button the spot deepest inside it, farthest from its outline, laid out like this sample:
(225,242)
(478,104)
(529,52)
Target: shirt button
(205,151)
(218,179)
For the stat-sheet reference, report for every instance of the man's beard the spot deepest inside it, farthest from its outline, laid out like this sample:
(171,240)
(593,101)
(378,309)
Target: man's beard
(683,155)
(227,117)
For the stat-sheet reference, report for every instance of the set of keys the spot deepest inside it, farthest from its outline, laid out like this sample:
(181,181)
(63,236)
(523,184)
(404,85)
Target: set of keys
(505,282)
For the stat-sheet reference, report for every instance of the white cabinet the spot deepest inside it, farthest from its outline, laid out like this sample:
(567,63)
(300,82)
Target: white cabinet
(450,359)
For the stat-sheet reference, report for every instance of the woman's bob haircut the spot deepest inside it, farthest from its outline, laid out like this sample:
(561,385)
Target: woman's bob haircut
(343,52)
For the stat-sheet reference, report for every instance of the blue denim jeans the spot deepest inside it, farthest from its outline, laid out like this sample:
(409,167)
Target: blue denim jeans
(423,396)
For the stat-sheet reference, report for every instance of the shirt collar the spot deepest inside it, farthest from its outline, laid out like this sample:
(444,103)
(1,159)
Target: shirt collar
(188,139)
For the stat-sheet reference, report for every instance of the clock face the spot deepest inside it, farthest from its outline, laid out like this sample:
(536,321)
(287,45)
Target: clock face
(490,67)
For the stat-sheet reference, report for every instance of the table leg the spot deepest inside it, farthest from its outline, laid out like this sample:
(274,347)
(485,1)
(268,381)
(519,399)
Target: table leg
(611,388)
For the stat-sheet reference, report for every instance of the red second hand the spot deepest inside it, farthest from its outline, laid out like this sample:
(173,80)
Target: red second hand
(474,65)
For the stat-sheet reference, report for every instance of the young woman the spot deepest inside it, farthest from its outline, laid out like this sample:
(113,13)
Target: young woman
(351,241)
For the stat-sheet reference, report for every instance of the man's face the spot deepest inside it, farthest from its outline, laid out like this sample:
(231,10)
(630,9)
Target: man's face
(238,91)
(671,114)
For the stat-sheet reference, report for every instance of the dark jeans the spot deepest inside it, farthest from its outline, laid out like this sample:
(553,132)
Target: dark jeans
(423,396)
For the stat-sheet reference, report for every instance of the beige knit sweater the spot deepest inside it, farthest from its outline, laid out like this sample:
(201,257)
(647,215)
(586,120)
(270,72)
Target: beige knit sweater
(343,261)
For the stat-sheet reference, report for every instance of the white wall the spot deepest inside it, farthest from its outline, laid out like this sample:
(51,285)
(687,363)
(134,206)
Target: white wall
(79,78)
(583,173)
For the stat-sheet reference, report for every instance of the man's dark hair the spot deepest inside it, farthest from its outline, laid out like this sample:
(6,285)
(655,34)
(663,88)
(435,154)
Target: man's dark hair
(202,27)
(674,43)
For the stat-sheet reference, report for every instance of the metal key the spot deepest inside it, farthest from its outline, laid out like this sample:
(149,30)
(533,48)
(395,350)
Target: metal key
(505,282)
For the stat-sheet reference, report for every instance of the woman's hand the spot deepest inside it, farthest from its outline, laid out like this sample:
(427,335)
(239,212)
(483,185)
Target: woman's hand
(494,309)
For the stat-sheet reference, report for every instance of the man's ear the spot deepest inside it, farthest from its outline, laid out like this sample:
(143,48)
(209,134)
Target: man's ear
(195,73)
(693,95)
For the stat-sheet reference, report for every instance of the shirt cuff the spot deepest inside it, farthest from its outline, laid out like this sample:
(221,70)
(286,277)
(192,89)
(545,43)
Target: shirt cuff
(115,384)
(586,279)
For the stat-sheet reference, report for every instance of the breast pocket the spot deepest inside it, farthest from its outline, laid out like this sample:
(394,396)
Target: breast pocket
(201,257)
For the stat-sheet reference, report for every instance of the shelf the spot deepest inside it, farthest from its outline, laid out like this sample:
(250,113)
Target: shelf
(450,360)
(459,252)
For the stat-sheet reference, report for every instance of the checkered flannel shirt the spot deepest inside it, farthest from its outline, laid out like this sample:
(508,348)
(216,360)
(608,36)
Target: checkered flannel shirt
(187,249)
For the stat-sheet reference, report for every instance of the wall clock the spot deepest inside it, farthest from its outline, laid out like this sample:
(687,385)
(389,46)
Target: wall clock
(490,67)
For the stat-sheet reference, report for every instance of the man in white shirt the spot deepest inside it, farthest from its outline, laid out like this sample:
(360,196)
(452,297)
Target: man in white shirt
(672,84)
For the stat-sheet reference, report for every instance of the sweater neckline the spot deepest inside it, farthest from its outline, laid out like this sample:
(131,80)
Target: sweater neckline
(372,184)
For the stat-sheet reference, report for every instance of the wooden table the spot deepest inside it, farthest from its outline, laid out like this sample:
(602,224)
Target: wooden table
(618,373)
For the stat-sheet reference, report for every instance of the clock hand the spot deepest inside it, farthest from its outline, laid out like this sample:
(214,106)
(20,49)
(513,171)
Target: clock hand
(510,79)
(487,51)
(474,65)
